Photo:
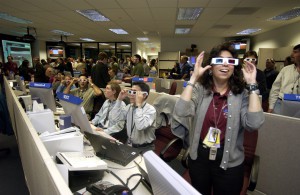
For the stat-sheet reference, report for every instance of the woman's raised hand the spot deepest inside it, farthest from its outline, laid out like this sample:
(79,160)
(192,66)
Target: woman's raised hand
(198,69)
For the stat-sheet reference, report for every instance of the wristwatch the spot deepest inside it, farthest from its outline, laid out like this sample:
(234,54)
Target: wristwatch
(252,87)
(191,84)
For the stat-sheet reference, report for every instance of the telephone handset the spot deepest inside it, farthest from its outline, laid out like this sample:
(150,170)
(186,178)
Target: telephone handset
(107,188)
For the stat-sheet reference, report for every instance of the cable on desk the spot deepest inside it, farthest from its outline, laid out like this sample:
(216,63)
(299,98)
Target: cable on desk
(136,185)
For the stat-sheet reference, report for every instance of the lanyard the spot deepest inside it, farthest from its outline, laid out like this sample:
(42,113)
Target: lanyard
(220,113)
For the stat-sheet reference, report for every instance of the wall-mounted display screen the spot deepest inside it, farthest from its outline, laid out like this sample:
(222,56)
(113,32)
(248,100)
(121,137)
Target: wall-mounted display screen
(55,52)
(18,50)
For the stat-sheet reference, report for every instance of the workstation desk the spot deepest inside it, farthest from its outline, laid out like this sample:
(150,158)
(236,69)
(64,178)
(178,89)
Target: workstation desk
(41,173)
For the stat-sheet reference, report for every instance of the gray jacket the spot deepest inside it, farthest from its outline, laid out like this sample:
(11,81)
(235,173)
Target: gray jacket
(238,119)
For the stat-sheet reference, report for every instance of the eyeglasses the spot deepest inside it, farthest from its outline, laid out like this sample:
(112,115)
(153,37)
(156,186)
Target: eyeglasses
(82,80)
(250,59)
(230,61)
(131,92)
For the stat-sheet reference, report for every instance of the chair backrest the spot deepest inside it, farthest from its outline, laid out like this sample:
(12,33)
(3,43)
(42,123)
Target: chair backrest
(167,145)
(173,88)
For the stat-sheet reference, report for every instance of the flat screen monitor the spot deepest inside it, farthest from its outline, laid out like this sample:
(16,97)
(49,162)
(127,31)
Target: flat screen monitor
(193,60)
(72,106)
(55,51)
(44,92)
(20,51)
(163,179)
(21,84)
(290,108)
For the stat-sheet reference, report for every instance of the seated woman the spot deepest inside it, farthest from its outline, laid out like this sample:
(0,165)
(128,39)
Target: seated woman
(64,83)
(104,120)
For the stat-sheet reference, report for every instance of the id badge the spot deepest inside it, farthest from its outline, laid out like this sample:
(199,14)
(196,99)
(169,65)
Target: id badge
(212,153)
(213,137)
(106,124)
(129,142)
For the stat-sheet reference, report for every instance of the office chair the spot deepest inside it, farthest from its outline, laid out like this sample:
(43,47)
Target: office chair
(251,163)
(167,145)
(173,88)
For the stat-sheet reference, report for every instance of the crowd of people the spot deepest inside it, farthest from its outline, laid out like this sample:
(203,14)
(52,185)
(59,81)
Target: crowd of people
(221,99)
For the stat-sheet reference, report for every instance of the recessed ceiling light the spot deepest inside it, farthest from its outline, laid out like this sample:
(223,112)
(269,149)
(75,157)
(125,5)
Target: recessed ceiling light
(10,18)
(182,30)
(189,13)
(293,13)
(93,15)
(87,39)
(143,38)
(62,32)
(248,31)
(118,31)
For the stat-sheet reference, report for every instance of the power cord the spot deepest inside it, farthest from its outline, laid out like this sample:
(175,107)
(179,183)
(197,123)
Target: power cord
(127,181)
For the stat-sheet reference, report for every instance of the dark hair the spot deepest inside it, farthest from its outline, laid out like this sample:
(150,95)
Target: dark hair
(296,47)
(152,62)
(102,56)
(236,83)
(116,87)
(138,56)
(250,53)
(25,63)
(114,58)
(143,86)
(83,75)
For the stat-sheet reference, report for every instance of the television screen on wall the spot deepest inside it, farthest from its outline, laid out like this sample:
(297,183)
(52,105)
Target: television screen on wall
(20,51)
(55,52)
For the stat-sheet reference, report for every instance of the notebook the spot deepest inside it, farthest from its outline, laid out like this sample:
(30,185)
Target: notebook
(145,178)
(112,150)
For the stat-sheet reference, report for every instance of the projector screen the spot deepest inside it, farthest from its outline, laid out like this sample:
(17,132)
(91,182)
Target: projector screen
(18,50)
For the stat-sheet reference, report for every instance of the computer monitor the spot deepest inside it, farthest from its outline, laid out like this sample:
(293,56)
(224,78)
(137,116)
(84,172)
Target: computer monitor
(21,84)
(163,179)
(44,92)
(290,108)
(72,106)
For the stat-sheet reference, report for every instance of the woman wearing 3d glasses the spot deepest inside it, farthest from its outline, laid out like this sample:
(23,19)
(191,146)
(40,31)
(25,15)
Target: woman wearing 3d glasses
(220,109)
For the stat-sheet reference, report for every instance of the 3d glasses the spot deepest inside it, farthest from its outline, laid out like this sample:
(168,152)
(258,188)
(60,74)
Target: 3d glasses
(221,61)
(82,80)
(131,92)
(250,60)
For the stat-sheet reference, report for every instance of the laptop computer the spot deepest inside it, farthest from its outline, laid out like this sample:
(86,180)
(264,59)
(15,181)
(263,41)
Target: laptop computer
(111,149)
(145,178)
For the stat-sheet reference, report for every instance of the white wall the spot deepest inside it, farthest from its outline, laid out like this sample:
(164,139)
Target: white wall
(181,44)
(288,35)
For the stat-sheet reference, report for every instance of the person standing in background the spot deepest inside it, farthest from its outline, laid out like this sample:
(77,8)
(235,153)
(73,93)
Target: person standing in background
(270,73)
(99,72)
(185,68)
(10,66)
(138,70)
(287,82)
(251,56)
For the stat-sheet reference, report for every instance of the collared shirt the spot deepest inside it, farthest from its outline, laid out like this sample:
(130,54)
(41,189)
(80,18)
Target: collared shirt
(114,124)
(87,95)
(140,122)
(287,82)
(216,115)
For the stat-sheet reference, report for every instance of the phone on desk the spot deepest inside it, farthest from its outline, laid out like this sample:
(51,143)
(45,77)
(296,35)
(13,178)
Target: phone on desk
(107,188)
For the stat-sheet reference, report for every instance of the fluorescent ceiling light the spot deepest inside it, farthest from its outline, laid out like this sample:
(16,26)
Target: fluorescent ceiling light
(143,38)
(118,31)
(93,15)
(87,39)
(293,13)
(182,30)
(189,13)
(125,45)
(248,31)
(10,18)
(62,32)
(112,46)
(103,44)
